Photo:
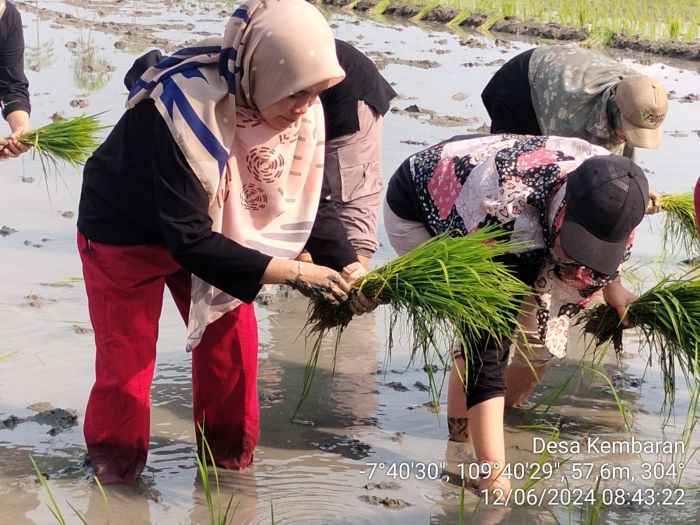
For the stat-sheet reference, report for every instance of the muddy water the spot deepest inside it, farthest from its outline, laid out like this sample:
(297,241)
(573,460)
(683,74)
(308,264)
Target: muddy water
(374,413)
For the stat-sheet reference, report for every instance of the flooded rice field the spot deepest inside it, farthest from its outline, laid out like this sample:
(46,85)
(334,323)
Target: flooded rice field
(368,446)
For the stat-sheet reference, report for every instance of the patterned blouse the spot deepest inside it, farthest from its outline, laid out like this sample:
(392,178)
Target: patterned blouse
(519,183)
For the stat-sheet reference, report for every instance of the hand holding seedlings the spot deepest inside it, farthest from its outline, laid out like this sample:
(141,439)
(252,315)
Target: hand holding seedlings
(359,302)
(320,283)
(654,205)
(619,298)
(679,228)
(11,146)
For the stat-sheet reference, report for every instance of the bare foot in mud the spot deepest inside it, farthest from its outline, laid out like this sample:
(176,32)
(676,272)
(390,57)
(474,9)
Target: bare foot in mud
(147,488)
(497,488)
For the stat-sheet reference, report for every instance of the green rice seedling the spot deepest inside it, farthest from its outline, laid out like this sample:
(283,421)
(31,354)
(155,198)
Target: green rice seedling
(379,7)
(599,36)
(674,29)
(536,470)
(448,284)
(668,317)
(592,510)
(204,459)
(460,515)
(53,506)
(70,140)
(680,227)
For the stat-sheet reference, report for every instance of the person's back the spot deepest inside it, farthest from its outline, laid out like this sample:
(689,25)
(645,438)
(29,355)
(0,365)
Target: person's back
(353,112)
(570,87)
(567,91)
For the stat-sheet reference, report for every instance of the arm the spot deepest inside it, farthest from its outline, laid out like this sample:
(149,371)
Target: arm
(14,88)
(187,230)
(19,122)
(328,243)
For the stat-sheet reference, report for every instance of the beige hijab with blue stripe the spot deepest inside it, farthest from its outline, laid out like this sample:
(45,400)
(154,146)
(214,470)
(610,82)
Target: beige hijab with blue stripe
(263,184)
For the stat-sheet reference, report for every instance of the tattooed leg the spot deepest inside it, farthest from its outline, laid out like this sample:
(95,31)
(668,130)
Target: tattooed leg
(458,428)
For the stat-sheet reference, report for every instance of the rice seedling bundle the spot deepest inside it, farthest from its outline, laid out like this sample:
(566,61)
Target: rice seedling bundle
(679,228)
(668,317)
(70,140)
(446,279)
(448,285)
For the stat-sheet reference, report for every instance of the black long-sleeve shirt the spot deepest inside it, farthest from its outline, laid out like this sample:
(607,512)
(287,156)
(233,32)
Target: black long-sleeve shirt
(14,87)
(139,189)
(363,81)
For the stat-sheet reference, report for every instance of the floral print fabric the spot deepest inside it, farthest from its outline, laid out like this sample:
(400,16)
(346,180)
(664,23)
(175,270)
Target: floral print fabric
(517,183)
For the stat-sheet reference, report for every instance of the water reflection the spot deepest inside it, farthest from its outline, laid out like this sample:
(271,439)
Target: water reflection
(91,72)
(41,54)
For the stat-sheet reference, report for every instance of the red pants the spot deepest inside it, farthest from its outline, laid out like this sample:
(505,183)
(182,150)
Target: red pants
(125,286)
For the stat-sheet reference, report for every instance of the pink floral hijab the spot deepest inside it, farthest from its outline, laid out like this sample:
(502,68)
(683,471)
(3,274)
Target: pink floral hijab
(264,184)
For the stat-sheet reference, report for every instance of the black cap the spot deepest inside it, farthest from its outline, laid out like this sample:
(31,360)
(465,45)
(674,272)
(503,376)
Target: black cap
(606,198)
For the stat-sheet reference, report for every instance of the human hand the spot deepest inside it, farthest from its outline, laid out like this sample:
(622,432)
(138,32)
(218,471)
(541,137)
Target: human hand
(12,147)
(654,204)
(320,282)
(619,298)
(352,272)
(360,303)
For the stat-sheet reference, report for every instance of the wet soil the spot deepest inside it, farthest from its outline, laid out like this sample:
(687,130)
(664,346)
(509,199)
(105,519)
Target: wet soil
(515,26)
(58,419)
(366,406)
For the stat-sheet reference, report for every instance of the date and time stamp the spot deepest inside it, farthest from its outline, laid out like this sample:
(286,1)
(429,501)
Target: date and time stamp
(569,482)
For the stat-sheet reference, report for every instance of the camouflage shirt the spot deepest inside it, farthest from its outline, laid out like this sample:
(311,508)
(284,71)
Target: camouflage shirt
(570,88)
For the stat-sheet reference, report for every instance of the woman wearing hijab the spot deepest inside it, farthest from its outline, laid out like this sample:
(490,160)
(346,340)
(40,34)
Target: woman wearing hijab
(211,183)
(575,206)
(14,88)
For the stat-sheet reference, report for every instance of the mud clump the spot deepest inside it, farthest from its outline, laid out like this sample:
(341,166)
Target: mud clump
(389,503)
(402,9)
(686,50)
(383,485)
(58,418)
(440,13)
(335,3)
(474,20)
(686,99)
(6,230)
(398,386)
(363,5)
(551,30)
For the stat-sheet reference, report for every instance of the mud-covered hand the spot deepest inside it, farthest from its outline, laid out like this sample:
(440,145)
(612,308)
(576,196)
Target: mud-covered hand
(320,282)
(619,298)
